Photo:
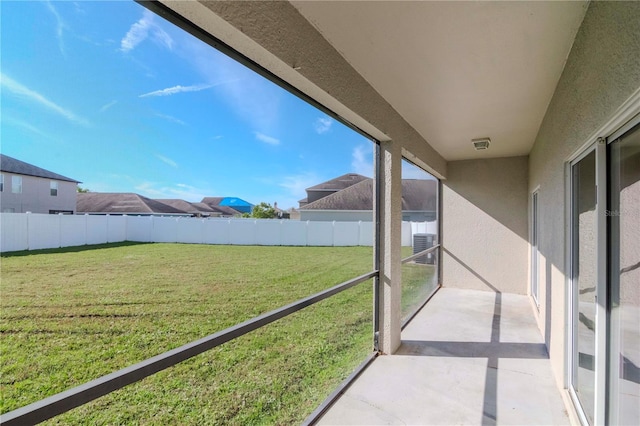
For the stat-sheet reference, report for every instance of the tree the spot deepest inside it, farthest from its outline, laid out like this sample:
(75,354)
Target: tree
(263,211)
(82,190)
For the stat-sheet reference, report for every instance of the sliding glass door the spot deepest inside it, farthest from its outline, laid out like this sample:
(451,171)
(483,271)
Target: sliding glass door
(624,278)
(605,272)
(535,254)
(584,248)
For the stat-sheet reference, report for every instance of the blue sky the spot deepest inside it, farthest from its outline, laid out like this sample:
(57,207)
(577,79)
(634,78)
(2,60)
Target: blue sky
(112,95)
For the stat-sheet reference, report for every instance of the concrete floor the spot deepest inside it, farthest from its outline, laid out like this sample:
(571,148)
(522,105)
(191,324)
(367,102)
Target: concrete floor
(469,357)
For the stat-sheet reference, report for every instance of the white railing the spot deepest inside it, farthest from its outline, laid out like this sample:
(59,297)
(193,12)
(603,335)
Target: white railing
(28,231)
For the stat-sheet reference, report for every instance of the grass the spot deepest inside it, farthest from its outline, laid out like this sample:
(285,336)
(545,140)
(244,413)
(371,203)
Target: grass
(72,315)
(418,281)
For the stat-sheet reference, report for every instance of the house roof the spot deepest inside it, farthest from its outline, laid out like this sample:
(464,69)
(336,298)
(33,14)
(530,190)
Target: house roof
(228,205)
(417,195)
(186,206)
(214,203)
(339,183)
(107,202)
(12,165)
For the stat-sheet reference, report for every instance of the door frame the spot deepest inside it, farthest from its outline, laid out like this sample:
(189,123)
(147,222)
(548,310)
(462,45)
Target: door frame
(623,120)
(534,276)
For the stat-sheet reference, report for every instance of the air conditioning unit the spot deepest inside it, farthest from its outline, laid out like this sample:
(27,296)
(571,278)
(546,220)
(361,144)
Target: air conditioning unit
(422,242)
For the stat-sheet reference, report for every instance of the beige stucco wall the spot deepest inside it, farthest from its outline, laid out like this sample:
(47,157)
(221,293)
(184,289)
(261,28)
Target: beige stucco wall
(484,220)
(602,71)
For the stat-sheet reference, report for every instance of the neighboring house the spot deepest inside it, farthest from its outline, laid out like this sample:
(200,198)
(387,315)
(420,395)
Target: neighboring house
(314,193)
(124,203)
(28,188)
(281,214)
(355,202)
(229,206)
(194,209)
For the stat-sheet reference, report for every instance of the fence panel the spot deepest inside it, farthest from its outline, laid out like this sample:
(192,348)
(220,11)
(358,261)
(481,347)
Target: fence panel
(320,233)
(164,229)
(14,232)
(294,233)
(139,228)
(346,233)
(243,232)
(27,231)
(217,231)
(44,231)
(116,229)
(366,233)
(269,232)
(73,230)
(97,227)
(407,235)
(191,231)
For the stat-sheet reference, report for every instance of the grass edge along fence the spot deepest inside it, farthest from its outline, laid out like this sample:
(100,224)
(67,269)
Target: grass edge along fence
(29,231)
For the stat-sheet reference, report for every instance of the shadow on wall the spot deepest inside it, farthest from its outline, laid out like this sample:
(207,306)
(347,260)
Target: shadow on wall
(497,186)
(485,224)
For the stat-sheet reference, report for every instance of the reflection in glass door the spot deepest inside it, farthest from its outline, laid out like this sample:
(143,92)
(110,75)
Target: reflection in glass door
(623,214)
(535,256)
(584,279)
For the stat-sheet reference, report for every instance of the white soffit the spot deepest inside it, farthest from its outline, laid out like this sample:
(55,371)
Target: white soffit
(457,71)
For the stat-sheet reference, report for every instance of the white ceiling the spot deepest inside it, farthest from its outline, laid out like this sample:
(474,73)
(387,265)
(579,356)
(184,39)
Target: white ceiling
(457,71)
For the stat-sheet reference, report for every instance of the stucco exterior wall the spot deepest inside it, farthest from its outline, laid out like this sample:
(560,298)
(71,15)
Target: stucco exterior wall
(601,73)
(36,195)
(485,237)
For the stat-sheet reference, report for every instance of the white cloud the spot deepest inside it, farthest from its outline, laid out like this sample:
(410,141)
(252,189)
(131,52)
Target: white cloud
(180,190)
(296,184)
(60,26)
(252,98)
(322,125)
(177,89)
(105,107)
(166,160)
(144,28)
(362,160)
(24,125)
(171,118)
(19,90)
(267,139)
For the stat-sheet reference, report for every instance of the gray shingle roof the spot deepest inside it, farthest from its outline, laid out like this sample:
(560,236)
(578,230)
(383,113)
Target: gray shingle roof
(123,203)
(186,206)
(12,165)
(417,195)
(214,203)
(341,182)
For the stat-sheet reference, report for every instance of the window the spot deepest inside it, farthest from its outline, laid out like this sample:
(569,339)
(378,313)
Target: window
(54,188)
(1,182)
(16,184)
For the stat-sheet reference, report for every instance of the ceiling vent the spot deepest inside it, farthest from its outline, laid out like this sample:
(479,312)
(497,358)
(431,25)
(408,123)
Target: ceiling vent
(481,144)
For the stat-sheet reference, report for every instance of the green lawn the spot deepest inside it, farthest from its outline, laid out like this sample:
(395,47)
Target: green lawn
(72,315)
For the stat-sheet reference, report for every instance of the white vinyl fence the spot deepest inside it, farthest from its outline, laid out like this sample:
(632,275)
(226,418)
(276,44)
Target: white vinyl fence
(28,231)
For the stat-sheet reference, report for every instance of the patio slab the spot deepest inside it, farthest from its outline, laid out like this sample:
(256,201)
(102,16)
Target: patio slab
(469,357)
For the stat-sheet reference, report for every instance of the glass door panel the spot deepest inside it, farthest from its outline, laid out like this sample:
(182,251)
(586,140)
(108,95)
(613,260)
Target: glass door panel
(584,255)
(624,280)
(534,248)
